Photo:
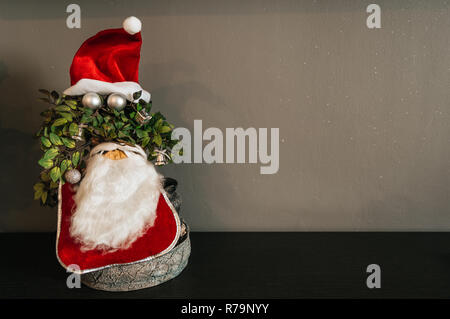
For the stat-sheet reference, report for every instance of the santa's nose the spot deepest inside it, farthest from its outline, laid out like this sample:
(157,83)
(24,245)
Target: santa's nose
(115,155)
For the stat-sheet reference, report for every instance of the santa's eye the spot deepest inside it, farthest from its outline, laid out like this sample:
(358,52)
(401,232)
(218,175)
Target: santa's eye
(116,101)
(92,100)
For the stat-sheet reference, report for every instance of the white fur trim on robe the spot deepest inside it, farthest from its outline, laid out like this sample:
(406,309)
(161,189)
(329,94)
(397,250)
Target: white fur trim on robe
(126,88)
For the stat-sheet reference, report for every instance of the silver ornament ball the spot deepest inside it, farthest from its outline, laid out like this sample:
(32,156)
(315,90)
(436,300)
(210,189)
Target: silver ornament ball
(73,176)
(117,101)
(92,100)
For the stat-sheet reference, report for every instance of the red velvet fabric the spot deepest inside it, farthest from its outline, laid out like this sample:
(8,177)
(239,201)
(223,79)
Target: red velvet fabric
(110,56)
(155,240)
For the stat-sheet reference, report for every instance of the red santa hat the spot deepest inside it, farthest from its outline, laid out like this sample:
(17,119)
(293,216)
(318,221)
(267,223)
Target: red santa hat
(108,63)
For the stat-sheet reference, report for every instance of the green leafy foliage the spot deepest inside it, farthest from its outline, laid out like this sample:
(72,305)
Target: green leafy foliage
(55,173)
(63,149)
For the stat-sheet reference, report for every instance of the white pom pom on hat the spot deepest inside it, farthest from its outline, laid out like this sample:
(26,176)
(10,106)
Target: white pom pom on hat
(132,25)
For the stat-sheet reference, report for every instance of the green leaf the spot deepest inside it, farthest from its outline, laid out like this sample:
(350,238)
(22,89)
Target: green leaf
(99,119)
(71,103)
(50,154)
(64,165)
(59,122)
(100,132)
(38,194)
(105,127)
(68,142)
(140,133)
(86,119)
(62,108)
(43,91)
(44,177)
(54,95)
(157,139)
(119,125)
(75,158)
(66,115)
(88,111)
(112,135)
(158,124)
(164,129)
(121,134)
(46,142)
(148,107)
(44,197)
(39,133)
(53,185)
(65,130)
(55,139)
(73,128)
(38,186)
(45,163)
(145,141)
(55,173)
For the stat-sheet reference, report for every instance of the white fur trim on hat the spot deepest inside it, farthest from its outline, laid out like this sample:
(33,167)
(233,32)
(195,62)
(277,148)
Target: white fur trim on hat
(132,25)
(126,88)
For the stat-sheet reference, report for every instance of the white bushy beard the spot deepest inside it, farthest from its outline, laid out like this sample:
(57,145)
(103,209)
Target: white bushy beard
(116,200)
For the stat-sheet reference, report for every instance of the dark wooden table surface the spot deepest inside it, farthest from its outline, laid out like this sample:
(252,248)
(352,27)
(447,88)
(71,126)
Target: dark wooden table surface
(256,265)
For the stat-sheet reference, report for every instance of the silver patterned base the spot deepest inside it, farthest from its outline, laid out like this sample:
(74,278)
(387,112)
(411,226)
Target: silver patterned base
(144,274)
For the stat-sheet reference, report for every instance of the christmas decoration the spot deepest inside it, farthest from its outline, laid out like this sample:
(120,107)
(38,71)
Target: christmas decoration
(102,134)
(91,100)
(132,25)
(143,117)
(73,176)
(79,135)
(70,130)
(108,63)
(161,157)
(117,101)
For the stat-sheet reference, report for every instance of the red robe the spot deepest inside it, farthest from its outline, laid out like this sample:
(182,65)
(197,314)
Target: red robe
(158,240)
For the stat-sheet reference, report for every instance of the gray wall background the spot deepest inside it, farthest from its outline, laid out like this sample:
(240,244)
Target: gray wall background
(363,114)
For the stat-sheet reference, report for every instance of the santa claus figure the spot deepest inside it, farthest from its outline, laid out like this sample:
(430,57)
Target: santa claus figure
(119,212)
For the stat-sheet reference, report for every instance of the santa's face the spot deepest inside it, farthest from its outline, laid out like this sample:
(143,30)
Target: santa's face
(117,198)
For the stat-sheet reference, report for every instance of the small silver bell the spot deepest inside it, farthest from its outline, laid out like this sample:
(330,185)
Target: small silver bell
(160,159)
(142,117)
(79,135)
